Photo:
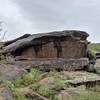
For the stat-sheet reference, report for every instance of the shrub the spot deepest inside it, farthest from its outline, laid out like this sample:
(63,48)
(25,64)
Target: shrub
(25,80)
(10,85)
(18,82)
(54,98)
(28,79)
(58,84)
(35,87)
(19,95)
(54,74)
(45,91)
(36,74)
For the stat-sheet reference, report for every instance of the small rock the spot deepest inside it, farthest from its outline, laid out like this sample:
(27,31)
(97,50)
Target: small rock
(6,94)
(49,82)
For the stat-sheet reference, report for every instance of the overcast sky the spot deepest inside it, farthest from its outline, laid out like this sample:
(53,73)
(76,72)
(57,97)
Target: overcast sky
(34,16)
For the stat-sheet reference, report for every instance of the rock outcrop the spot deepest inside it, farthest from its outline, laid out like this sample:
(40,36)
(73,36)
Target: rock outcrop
(64,50)
(62,44)
(57,64)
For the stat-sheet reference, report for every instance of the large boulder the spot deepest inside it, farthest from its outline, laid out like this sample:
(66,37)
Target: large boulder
(10,72)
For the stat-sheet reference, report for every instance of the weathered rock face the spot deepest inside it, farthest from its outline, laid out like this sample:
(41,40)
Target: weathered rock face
(54,64)
(50,50)
(63,44)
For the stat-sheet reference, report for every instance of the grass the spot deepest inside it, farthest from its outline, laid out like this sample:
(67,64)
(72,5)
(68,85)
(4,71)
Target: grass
(42,90)
(89,95)
(17,94)
(54,74)
(45,91)
(59,75)
(3,59)
(58,85)
(94,47)
(31,78)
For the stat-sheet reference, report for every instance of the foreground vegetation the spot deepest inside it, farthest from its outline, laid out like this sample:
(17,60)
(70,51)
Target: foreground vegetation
(32,82)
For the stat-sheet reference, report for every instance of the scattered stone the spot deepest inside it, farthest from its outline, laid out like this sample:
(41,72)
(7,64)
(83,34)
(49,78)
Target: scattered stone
(48,82)
(6,94)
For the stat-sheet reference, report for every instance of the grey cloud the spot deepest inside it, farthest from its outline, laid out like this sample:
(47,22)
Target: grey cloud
(51,15)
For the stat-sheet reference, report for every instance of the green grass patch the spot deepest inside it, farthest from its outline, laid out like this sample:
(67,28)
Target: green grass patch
(48,91)
(88,94)
(19,95)
(59,75)
(94,47)
(58,85)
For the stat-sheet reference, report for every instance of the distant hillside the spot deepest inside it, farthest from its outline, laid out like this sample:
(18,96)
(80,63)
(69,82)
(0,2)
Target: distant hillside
(94,47)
